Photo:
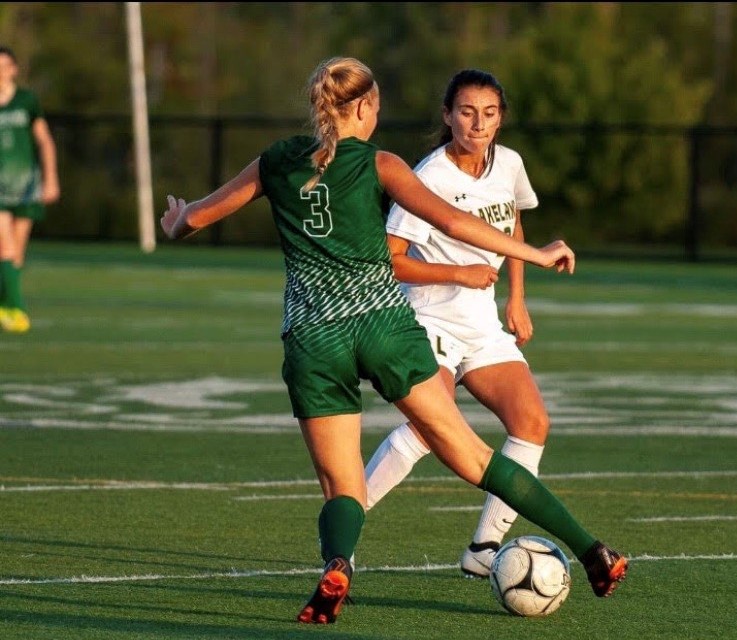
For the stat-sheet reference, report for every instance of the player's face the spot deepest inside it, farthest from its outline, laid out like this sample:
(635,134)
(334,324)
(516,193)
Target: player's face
(475,118)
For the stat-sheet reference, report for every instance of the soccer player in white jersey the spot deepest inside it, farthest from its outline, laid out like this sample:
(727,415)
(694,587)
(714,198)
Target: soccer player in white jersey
(450,284)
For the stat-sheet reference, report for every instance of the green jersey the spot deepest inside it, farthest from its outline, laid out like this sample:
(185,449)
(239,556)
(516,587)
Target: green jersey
(20,173)
(334,236)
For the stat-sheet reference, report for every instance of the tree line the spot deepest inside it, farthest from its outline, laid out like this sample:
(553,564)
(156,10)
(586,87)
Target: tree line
(585,65)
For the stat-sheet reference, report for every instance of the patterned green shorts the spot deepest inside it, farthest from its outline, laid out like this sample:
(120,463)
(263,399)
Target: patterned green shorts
(324,363)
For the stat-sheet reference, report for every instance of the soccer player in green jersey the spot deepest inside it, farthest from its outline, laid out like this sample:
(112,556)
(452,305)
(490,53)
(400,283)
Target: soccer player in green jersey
(345,319)
(28,181)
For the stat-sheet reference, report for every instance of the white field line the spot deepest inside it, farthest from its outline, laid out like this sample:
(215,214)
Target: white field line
(638,347)
(201,345)
(275,425)
(718,518)
(424,568)
(622,309)
(291,496)
(115,485)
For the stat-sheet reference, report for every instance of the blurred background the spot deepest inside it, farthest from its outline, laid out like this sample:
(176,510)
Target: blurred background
(624,113)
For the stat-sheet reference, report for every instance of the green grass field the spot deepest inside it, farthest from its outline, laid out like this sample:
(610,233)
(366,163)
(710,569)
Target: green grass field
(153,483)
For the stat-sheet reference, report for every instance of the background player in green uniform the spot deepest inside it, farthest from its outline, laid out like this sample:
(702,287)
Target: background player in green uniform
(345,319)
(28,181)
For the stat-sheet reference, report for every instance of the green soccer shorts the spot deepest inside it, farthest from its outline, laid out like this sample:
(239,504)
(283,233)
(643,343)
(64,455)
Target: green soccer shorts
(36,211)
(325,362)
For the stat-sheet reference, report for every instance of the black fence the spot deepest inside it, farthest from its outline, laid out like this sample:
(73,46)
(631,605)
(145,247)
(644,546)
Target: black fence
(611,190)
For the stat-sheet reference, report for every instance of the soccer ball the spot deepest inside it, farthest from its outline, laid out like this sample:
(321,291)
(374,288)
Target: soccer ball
(530,576)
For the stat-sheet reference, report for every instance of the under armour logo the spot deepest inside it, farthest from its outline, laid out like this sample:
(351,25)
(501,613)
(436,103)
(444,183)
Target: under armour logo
(460,197)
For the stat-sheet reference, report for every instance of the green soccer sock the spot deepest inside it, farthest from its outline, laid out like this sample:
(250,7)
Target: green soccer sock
(524,493)
(10,277)
(340,523)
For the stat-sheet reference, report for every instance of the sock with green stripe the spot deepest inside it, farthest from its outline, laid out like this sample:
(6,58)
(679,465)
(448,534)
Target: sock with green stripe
(11,295)
(524,493)
(340,523)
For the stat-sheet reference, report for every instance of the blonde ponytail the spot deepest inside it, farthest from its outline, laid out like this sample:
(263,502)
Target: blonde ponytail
(334,84)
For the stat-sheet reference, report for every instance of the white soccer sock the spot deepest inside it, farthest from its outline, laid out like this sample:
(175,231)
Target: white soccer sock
(391,462)
(496,517)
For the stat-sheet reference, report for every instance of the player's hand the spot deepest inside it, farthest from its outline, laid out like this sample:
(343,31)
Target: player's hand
(559,255)
(518,320)
(477,276)
(50,192)
(177,208)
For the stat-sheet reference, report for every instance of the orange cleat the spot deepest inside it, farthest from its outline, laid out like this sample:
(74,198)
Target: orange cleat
(325,604)
(605,569)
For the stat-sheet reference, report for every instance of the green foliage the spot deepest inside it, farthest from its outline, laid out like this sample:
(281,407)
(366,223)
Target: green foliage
(650,64)
(598,185)
(255,57)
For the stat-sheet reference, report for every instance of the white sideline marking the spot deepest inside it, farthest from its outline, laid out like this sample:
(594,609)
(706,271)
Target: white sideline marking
(113,485)
(621,309)
(463,508)
(291,496)
(305,571)
(372,421)
(278,425)
(683,519)
(658,519)
(587,475)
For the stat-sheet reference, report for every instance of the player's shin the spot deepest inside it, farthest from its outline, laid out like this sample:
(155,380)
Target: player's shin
(392,462)
(524,493)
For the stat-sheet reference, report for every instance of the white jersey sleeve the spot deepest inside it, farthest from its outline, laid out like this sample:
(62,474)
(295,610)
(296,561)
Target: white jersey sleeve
(524,195)
(408,226)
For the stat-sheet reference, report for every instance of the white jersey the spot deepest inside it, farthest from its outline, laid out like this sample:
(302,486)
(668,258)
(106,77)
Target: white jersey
(462,312)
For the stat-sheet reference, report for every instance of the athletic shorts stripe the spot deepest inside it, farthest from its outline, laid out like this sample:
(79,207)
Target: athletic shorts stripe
(325,362)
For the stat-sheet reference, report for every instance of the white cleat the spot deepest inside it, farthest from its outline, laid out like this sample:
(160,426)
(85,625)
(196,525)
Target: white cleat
(476,559)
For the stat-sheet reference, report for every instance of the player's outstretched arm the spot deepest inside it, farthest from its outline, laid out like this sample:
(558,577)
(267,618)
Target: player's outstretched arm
(405,188)
(182,219)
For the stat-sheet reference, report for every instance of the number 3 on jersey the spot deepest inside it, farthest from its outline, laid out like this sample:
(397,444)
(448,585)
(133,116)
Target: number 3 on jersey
(320,223)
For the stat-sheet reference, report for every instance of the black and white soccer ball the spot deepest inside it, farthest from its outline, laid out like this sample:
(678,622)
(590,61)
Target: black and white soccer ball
(530,576)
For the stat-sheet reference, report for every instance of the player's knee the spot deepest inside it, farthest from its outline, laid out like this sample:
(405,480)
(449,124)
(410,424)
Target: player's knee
(541,424)
(534,428)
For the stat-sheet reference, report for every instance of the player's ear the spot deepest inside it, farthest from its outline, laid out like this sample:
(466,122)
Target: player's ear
(361,107)
(447,117)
